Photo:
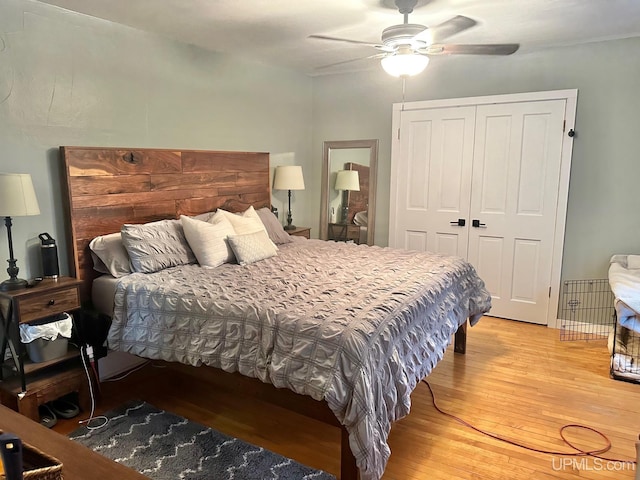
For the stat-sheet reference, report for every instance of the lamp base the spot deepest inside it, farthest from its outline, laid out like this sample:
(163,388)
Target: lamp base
(290,227)
(13,284)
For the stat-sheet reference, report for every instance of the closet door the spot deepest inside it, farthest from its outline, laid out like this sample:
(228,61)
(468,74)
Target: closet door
(501,163)
(514,196)
(431,181)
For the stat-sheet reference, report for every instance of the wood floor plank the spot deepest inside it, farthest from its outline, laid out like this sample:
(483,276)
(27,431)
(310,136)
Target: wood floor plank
(516,379)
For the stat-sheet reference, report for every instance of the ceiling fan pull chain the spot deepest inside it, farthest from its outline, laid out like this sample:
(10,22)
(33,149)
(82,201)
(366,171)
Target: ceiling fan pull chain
(404,85)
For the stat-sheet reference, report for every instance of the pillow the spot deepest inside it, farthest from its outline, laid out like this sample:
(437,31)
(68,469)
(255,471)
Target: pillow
(245,222)
(361,218)
(633,262)
(204,217)
(273,227)
(209,240)
(109,255)
(157,245)
(252,247)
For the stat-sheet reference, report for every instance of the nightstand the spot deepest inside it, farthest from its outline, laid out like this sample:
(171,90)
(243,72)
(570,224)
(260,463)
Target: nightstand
(343,232)
(300,232)
(24,384)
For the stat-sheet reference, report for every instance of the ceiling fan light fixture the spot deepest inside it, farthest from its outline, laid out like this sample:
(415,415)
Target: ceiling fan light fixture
(404,64)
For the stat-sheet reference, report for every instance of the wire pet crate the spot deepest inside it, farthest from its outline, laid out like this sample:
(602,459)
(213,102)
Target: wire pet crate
(587,310)
(624,346)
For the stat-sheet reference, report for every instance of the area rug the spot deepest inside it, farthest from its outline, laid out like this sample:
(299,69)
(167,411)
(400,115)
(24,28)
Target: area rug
(164,446)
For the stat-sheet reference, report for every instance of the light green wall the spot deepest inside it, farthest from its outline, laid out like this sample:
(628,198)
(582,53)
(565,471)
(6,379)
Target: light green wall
(604,207)
(69,79)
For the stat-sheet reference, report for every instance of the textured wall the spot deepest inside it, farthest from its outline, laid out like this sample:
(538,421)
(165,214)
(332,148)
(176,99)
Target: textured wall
(69,79)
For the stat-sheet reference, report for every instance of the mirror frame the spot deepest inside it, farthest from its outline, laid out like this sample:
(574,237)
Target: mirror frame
(372,145)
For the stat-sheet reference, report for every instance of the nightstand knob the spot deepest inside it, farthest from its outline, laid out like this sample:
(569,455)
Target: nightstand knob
(52,302)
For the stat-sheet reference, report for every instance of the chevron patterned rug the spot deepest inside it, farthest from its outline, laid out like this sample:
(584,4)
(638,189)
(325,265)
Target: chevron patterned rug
(164,446)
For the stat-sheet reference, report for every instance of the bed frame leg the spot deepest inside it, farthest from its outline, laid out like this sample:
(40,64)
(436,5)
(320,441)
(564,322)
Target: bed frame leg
(460,341)
(348,468)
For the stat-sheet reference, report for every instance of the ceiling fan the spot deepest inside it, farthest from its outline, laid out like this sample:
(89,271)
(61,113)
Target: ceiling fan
(405,48)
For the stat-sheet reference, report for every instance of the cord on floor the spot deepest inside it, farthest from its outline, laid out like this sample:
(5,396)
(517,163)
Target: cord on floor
(596,453)
(105,420)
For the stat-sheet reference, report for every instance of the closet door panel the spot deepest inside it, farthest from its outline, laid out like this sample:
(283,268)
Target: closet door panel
(433,179)
(494,144)
(489,255)
(414,240)
(514,196)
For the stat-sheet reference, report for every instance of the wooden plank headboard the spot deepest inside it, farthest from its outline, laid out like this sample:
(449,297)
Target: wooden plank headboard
(107,187)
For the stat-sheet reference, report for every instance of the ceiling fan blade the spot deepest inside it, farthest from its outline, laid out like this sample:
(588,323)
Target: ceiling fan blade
(377,55)
(452,26)
(489,49)
(345,40)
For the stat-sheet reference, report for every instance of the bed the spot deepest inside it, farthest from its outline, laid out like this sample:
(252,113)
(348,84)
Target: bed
(344,345)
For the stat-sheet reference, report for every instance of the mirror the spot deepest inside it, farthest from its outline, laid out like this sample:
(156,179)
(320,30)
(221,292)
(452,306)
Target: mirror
(348,200)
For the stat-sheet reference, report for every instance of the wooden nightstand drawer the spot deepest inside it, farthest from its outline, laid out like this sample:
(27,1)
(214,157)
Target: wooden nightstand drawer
(49,303)
(300,232)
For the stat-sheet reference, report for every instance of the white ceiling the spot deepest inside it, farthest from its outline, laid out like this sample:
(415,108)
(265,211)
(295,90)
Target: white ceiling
(276,31)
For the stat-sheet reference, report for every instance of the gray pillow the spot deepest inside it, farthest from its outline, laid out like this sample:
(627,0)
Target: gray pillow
(276,233)
(157,245)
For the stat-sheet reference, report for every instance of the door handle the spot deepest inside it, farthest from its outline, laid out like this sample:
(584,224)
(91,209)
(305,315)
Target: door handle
(459,223)
(476,223)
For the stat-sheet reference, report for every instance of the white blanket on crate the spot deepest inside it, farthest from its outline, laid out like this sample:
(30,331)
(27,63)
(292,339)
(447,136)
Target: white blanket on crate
(624,278)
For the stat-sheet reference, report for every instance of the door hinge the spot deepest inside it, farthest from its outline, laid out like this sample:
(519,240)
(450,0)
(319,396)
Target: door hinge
(564,125)
(549,292)
(398,134)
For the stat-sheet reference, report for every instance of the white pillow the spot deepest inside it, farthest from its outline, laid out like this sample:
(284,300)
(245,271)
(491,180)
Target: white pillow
(245,222)
(109,255)
(208,240)
(252,247)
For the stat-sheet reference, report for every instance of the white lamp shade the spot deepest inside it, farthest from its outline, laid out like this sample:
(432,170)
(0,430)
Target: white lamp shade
(404,64)
(347,180)
(288,178)
(17,196)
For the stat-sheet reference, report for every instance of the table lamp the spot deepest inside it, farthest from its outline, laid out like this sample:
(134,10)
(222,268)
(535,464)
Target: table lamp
(347,180)
(288,178)
(17,199)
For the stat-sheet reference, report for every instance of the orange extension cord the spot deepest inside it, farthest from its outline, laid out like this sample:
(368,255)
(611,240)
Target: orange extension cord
(596,453)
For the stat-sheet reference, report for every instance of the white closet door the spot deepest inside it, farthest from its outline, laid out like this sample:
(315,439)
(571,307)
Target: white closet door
(431,181)
(514,196)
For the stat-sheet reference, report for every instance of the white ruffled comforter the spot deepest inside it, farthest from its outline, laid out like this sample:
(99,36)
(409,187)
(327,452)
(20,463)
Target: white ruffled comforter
(353,325)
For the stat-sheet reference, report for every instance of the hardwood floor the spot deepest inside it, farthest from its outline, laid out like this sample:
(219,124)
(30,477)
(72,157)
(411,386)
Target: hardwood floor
(516,380)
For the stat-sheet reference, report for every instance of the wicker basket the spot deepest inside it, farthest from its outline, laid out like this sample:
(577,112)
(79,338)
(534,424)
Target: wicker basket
(38,465)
